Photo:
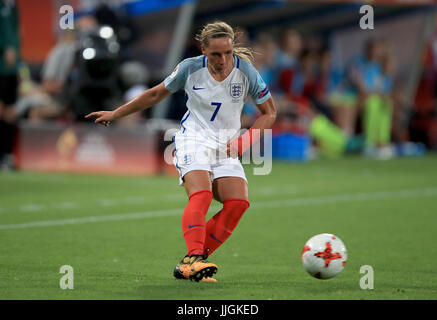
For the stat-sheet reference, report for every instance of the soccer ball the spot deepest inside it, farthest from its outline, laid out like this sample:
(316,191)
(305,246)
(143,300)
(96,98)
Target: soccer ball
(324,256)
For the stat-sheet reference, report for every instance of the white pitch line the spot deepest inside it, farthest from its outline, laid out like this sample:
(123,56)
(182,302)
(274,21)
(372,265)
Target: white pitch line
(108,202)
(103,202)
(135,200)
(115,217)
(32,207)
(344,198)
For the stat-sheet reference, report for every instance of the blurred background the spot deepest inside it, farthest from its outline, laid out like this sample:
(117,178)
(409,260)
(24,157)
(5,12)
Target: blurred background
(340,90)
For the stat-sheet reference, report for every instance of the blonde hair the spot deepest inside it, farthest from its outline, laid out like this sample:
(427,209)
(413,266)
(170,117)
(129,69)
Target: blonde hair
(221,29)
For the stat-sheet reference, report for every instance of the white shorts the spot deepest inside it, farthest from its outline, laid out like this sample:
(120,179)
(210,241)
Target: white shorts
(192,153)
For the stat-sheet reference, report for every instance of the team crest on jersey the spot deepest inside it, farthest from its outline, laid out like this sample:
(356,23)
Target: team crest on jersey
(236,90)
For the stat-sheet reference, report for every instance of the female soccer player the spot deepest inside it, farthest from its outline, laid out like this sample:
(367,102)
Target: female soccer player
(217,84)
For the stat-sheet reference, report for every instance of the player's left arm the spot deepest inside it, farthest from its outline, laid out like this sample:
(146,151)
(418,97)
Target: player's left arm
(265,121)
(268,115)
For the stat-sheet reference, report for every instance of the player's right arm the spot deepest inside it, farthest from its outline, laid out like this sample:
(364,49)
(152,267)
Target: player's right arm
(174,82)
(144,101)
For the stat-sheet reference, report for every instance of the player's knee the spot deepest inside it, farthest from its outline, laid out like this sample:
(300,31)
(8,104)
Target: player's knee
(204,195)
(236,205)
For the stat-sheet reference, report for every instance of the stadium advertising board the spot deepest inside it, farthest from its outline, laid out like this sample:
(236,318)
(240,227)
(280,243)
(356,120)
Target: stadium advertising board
(84,148)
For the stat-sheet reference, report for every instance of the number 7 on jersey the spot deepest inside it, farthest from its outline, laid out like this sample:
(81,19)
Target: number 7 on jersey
(217,105)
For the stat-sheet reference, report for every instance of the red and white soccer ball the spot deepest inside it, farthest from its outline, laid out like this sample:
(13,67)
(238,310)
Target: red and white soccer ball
(324,256)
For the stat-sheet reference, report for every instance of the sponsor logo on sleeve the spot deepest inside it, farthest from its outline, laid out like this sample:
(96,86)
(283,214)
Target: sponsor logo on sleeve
(263,92)
(175,71)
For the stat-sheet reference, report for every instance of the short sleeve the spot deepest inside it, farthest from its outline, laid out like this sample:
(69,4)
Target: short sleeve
(260,92)
(258,89)
(176,80)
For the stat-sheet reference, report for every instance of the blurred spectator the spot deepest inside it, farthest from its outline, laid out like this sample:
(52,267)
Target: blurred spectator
(265,48)
(302,86)
(323,83)
(336,92)
(264,60)
(314,45)
(365,70)
(423,122)
(311,80)
(290,48)
(9,63)
(48,101)
(59,62)
(376,87)
(349,88)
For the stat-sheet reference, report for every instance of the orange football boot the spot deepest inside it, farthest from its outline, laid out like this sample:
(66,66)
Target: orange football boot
(195,268)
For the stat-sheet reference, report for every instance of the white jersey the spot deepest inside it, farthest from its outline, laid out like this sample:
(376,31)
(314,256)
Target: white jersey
(215,105)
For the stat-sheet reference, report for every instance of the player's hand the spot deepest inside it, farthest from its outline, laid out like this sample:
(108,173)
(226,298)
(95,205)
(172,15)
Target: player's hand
(236,147)
(232,149)
(102,117)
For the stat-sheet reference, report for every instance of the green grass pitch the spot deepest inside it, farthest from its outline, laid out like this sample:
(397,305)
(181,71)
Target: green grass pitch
(122,235)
